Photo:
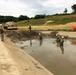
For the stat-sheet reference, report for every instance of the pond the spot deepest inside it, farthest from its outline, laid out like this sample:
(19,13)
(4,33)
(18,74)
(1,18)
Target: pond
(58,60)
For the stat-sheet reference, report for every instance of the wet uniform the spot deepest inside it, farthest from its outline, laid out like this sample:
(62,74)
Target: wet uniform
(58,38)
(40,37)
(30,28)
(61,42)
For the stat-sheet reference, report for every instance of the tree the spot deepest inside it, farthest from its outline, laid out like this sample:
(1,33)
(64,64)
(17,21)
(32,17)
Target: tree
(74,8)
(39,16)
(65,11)
(4,19)
(22,17)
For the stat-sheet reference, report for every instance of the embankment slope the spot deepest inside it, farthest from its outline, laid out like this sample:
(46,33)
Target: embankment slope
(14,61)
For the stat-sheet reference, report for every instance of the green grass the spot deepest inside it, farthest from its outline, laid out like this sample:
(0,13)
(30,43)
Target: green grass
(32,22)
(59,19)
(64,19)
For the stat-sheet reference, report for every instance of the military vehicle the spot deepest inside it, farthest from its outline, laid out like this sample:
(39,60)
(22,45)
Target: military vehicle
(10,26)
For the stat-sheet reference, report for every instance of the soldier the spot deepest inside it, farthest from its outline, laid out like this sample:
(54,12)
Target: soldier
(29,28)
(62,41)
(62,49)
(40,37)
(2,34)
(58,38)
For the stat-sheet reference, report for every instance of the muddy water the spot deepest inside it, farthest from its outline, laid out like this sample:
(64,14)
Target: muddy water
(58,60)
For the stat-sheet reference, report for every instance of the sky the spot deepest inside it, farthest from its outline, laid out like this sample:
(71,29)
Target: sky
(34,7)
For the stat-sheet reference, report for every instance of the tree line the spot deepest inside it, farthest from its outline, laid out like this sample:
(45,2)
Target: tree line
(4,19)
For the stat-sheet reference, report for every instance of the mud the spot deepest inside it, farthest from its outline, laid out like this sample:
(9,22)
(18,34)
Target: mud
(21,35)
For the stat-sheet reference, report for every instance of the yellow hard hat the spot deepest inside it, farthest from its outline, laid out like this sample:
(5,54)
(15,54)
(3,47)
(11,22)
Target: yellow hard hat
(56,34)
(62,37)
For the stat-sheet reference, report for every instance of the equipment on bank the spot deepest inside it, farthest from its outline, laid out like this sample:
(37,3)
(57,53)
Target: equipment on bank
(73,27)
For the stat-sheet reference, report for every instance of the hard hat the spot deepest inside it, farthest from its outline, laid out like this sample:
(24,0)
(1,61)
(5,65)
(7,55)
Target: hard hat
(56,34)
(62,37)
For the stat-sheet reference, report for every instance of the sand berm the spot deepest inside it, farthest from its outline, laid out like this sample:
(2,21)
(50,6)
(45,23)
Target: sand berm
(14,61)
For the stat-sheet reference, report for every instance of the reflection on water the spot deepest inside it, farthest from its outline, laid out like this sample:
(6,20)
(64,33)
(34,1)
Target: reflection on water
(40,41)
(30,42)
(61,47)
(60,60)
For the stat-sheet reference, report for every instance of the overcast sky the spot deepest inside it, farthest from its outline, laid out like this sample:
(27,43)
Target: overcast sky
(33,7)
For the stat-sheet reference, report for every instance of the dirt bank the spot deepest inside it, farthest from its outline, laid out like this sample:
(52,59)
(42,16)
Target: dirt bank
(23,35)
(14,61)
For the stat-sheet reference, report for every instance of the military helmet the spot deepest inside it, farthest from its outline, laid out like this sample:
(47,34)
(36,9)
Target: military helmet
(56,34)
(62,37)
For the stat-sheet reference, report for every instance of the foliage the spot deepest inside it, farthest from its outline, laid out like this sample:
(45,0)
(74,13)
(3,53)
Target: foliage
(4,19)
(74,7)
(21,17)
(39,16)
(7,18)
(65,11)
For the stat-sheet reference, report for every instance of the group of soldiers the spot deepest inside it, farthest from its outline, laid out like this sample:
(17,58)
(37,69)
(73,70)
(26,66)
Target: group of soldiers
(60,42)
(60,39)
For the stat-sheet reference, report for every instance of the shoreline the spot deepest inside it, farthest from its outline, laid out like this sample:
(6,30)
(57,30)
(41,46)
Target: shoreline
(70,35)
(26,35)
(27,65)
